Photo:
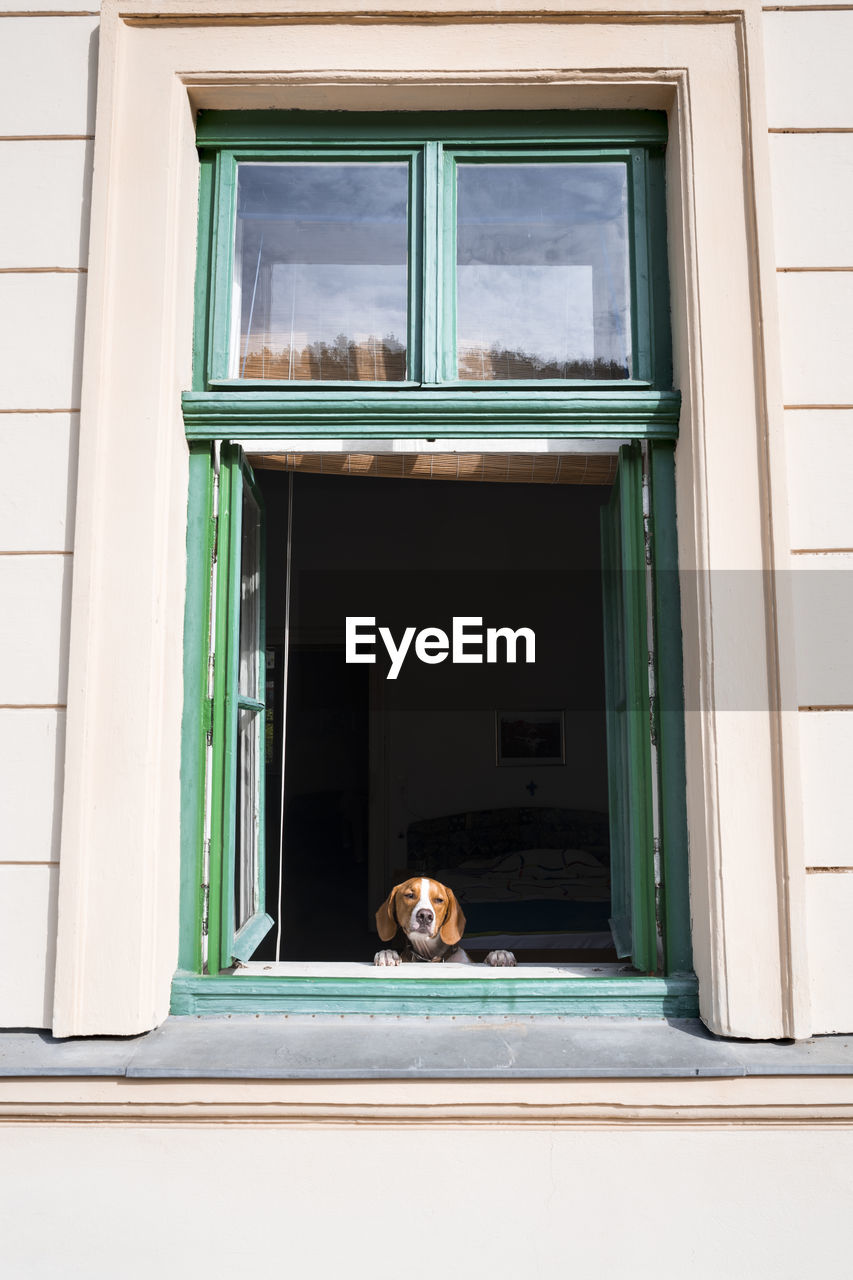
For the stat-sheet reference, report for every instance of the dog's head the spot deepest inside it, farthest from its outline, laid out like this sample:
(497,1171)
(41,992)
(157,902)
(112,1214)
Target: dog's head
(421,908)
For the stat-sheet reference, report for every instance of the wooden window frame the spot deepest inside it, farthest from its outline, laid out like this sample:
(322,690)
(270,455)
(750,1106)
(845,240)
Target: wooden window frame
(643,410)
(225,936)
(432,144)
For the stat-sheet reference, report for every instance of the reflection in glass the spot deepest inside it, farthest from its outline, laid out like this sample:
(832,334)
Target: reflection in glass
(250,598)
(249,718)
(320,272)
(247,862)
(543,286)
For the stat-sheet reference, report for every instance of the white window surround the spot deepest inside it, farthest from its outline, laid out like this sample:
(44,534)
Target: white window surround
(162,59)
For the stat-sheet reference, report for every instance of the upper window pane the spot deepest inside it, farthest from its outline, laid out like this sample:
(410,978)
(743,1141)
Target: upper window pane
(248,676)
(321,272)
(543,287)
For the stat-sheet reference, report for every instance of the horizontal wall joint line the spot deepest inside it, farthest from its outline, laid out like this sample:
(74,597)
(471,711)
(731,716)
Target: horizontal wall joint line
(29,862)
(33,706)
(807,270)
(440,18)
(40,271)
(47,137)
(807,8)
(494,1116)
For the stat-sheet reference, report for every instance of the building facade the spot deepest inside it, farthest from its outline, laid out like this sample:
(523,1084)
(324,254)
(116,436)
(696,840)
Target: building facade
(104,398)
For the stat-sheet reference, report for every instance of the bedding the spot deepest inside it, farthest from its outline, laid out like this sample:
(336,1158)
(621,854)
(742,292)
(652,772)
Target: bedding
(544,874)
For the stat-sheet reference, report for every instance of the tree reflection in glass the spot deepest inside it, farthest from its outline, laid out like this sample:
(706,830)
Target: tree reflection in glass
(321,272)
(543,286)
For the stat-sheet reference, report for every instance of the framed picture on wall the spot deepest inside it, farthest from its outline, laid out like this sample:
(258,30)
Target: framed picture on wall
(530,737)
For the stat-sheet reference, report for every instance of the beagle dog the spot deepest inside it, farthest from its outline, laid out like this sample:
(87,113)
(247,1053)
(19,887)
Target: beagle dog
(428,923)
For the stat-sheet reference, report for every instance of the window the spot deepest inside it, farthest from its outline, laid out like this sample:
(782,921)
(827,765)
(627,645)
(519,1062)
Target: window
(476,297)
(321,256)
(238,712)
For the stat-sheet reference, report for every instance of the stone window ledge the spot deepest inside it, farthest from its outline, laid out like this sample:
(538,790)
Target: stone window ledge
(363,1047)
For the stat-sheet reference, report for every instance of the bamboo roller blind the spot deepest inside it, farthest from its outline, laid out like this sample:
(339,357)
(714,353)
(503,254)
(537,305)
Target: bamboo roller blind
(499,468)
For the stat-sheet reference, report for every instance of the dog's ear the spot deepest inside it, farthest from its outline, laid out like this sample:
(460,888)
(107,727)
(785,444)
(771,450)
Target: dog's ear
(386,917)
(454,921)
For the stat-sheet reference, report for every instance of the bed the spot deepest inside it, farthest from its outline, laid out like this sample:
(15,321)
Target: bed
(529,879)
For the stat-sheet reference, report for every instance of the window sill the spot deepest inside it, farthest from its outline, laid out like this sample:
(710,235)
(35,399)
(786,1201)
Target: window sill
(363,1047)
(414,990)
(319,969)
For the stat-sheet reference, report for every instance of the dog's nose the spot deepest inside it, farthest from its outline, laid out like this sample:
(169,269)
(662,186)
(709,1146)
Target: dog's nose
(424,916)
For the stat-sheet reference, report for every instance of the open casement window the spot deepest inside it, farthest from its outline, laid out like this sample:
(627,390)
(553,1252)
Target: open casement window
(628,709)
(237,921)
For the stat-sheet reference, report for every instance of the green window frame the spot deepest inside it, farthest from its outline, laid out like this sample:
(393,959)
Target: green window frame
(639,549)
(235,929)
(432,146)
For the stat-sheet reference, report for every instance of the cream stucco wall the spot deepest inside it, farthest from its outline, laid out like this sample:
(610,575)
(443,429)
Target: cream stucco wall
(794,67)
(327,1201)
(657,1178)
(119,846)
(48,67)
(810,116)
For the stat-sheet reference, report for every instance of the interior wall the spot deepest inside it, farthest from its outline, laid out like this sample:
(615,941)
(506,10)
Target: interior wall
(418,553)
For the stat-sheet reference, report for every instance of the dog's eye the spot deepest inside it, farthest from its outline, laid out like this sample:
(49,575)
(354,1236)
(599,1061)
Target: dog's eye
(410,894)
(439,901)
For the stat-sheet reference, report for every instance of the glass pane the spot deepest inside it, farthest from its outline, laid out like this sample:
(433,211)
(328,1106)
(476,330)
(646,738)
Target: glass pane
(250,599)
(321,272)
(249,720)
(543,287)
(247,860)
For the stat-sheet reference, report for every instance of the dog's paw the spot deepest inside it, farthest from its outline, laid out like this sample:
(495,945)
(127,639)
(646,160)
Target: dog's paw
(388,957)
(500,958)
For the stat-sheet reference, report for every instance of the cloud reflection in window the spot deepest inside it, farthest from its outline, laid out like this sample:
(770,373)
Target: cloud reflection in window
(542,271)
(321,272)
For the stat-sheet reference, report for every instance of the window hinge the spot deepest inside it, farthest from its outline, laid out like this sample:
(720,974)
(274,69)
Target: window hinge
(659,899)
(205,907)
(214,539)
(207,712)
(653,720)
(647,538)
